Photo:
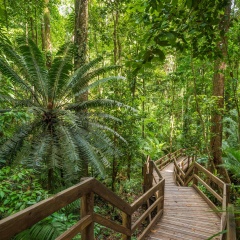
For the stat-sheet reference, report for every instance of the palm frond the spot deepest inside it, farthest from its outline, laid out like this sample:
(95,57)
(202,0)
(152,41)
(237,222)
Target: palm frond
(7,70)
(98,103)
(79,73)
(35,66)
(103,127)
(60,69)
(84,80)
(98,115)
(10,147)
(40,149)
(97,83)
(69,151)
(88,154)
(232,161)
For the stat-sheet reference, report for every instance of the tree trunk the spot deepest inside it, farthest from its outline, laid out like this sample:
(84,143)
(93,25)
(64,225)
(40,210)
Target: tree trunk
(81,32)
(81,40)
(46,36)
(218,92)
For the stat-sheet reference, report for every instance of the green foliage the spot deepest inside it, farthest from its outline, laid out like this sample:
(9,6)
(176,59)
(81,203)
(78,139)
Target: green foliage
(152,147)
(49,228)
(19,188)
(61,135)
(232,161)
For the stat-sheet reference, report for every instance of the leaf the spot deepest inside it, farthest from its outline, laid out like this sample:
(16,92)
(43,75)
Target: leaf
(160,53)
(189,3)
(174,3)
(2,194)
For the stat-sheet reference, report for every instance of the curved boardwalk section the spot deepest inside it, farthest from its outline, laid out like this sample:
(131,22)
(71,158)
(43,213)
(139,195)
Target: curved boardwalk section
(186,215)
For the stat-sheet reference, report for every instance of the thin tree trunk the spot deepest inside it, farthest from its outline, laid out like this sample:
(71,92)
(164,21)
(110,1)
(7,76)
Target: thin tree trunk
(46,34)
(81,42)
(81,32)
(218,92)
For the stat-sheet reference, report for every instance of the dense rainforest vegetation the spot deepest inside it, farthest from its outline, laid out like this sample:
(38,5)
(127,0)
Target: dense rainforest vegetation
(90,88)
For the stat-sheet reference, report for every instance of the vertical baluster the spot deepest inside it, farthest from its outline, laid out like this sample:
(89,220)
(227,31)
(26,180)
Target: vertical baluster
(195,171)
(87,203)
(126,222)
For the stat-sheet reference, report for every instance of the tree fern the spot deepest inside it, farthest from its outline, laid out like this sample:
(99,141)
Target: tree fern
(60,134)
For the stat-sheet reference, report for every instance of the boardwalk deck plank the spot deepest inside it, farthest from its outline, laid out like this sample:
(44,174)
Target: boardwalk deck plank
(186,215)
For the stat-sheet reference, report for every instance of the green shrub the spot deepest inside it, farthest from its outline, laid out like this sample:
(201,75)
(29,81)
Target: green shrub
(19,189)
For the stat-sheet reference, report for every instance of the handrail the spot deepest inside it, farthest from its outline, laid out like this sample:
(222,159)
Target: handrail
(165,160)
(86,190)
(219,190)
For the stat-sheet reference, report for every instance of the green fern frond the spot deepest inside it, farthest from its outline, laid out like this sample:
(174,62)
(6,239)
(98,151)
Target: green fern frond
(54,159)
(59,71)
(97,83)
(35,65)
(232,161)
(98,103)
(84,80)
(88,154)
(103,127)
(96,116)
(10,147)
(7,70)
(69,151)
(79,73)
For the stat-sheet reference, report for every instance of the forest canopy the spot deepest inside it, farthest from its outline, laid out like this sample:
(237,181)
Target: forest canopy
(91,88)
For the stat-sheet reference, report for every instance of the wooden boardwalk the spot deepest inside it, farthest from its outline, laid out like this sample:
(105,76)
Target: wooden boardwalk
(186,215)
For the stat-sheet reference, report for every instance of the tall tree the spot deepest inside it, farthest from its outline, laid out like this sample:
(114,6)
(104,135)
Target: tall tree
(218,92)
(80,40)
(46,38)
(81,32)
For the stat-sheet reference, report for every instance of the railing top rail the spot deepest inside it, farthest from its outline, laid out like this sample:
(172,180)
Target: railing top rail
(26,218)
(145,196)
(215,179)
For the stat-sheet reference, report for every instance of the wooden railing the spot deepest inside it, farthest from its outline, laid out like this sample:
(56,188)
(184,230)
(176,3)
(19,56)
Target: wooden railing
(86,190)
(165,160)
(188,171)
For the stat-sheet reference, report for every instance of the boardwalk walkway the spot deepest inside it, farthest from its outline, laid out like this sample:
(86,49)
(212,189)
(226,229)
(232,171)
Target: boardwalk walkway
(186,215)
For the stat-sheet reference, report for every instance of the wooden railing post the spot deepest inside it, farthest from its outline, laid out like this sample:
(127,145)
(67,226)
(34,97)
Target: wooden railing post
(161,194)
(195,171)
(126,222)
(169,157)
(231,225)
(87,204)
(147,176)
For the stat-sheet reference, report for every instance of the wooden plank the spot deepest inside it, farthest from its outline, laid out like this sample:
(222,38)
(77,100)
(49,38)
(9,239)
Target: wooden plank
(111,224)
(157,171)
(76,228)
(26,218)
(146,196)
(195,220)
(87,205)
(197,227)
(127,223)
(218,181)
(209,202)
(188,181)
(145,214)
(188,233)
(179,179)
(231,224)
(111,197)
(189,171)
(148,228)
(215,194)
(178,168)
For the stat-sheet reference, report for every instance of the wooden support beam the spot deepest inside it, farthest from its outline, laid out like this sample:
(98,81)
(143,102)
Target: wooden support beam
(87,204)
